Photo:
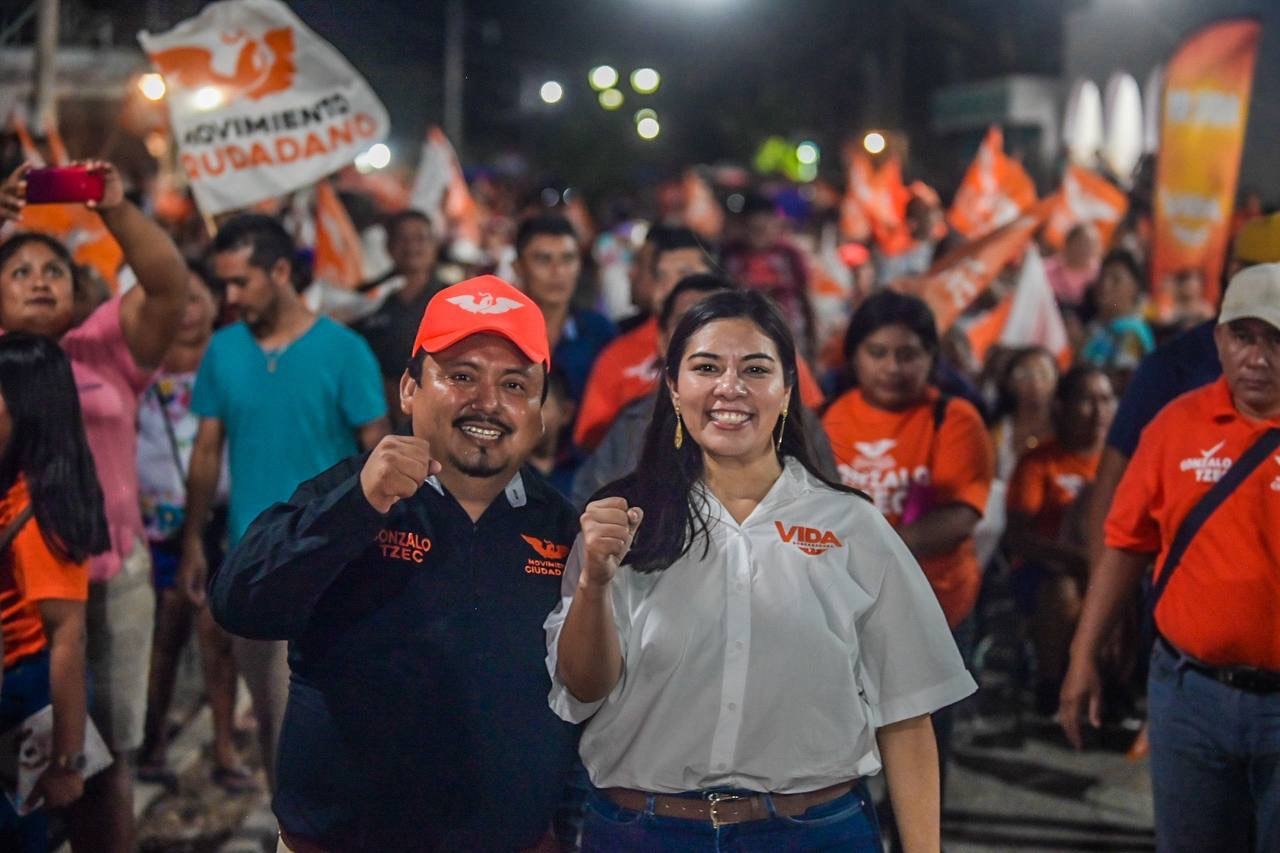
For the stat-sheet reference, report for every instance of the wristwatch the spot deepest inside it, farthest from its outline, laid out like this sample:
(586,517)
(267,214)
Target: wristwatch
(65,762)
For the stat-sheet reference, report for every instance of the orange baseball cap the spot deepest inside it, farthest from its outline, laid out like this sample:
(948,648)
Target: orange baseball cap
(484,304)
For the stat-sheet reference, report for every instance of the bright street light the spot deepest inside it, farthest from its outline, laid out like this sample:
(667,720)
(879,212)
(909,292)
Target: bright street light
(645,81)
(207,98)
(151,85)
(648,128)
(873,142)
(807,153)
(603,77)
(551,92)
(611,99)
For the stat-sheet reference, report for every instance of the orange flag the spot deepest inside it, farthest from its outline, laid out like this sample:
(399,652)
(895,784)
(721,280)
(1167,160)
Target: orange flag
(1085,197)
(960,276)
(702,211)
(440,190)
(30,151)
(875,203)
(338,250)
(994,190)
(1206,107)
(1027,315)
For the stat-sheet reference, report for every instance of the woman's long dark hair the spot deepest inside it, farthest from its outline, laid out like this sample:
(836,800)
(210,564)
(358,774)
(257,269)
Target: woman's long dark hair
(47,446)
(675,515)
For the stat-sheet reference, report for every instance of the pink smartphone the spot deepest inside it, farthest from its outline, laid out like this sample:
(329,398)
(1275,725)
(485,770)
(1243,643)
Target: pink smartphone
(64,184)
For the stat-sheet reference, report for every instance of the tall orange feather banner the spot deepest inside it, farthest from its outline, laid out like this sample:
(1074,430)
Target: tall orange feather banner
(1206,107)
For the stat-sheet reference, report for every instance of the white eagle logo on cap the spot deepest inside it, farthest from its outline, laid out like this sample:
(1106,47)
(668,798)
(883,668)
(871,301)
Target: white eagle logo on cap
(486,304)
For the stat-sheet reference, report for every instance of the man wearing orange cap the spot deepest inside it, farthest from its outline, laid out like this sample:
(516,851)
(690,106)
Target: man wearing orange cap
(412,583)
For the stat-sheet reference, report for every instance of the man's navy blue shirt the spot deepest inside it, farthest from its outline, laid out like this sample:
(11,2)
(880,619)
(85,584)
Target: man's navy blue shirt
(1184,364)
(584,335)
(417,715)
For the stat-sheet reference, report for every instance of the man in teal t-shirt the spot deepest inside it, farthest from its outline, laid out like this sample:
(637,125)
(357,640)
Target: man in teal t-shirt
(291,394)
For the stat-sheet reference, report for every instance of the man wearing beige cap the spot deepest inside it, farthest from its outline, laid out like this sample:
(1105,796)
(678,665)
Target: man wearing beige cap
(1202,496)
(412,583)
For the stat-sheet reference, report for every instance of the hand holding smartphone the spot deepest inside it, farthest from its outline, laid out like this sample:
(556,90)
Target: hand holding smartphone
(65,184)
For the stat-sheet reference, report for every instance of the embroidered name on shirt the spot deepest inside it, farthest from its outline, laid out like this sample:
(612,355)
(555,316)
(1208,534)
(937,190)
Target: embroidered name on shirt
(551,557)
(810,540)
(403,545)
(1208,467)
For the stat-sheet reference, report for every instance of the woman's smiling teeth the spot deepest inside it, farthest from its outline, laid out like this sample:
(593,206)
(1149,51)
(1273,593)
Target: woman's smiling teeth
(730,418)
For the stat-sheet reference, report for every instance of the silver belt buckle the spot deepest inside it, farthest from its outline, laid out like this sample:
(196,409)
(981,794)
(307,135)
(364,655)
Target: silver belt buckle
(715,800)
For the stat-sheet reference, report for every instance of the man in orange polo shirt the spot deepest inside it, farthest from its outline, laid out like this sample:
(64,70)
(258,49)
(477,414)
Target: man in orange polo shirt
(1214,684)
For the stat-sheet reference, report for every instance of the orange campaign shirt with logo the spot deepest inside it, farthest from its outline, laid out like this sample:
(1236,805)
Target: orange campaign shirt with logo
(1047,481)
(896,458)
(1223,602)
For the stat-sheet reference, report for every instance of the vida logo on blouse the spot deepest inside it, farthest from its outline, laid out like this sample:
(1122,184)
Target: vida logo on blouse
(810,540)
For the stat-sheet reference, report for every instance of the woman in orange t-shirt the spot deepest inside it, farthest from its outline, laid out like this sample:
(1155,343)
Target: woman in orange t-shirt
(46,472)
(924,459)
(1048,549)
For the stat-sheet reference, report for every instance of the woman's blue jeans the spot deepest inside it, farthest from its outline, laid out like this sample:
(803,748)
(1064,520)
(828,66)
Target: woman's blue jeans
(847,823)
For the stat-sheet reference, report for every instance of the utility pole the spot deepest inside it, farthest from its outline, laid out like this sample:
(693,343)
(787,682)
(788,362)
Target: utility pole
(455,25)
(44,104)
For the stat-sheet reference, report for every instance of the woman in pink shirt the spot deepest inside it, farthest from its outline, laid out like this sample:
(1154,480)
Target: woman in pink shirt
(113,354)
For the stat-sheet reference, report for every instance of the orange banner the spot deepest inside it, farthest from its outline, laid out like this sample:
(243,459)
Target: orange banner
(875,203)
(994,190)
(1085,197)
(1206,107)
(960,276)
(338,250)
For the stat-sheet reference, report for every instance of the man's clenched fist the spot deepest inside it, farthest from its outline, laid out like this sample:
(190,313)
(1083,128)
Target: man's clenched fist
(396,469)
(608,526)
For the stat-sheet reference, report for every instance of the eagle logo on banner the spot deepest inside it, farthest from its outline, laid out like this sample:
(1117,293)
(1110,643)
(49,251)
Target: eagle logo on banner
(258,69)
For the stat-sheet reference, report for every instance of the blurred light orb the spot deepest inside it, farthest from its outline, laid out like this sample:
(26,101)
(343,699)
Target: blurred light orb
(735,202)
(807,153)
(379,156)
(151,85)
(602,77)
(645,81)
(550,197)
(645,113)
(207,98)
(157,144)
(611,99)
(551,92)
(874,142)
(648,128)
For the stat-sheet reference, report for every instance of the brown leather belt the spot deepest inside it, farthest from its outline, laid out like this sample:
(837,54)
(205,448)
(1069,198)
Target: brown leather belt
(724,809)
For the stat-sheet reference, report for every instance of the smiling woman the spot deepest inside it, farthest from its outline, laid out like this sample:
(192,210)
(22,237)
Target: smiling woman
(697,583)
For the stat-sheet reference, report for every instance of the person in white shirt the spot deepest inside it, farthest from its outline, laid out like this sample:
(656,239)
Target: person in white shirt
(746,640)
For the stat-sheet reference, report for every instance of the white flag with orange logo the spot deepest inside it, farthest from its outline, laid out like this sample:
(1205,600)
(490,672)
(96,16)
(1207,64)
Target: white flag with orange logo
(995,190)
(1028,315)
(440,190)
(1085,197)
(260,105)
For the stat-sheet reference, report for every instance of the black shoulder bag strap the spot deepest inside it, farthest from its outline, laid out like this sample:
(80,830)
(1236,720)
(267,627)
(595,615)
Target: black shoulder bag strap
(7,535)
(1207,505)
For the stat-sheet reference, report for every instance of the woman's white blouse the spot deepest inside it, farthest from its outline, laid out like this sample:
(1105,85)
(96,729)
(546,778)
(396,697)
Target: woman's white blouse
(769,662)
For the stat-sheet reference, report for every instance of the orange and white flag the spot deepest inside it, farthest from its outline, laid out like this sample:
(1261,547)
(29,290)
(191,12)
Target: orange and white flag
(30,151)
(995,190)
(960,276)
(339,254)
(1085,197)
(1206,108)
(1027,315)
(440,190)
(259,104)
(875,203)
